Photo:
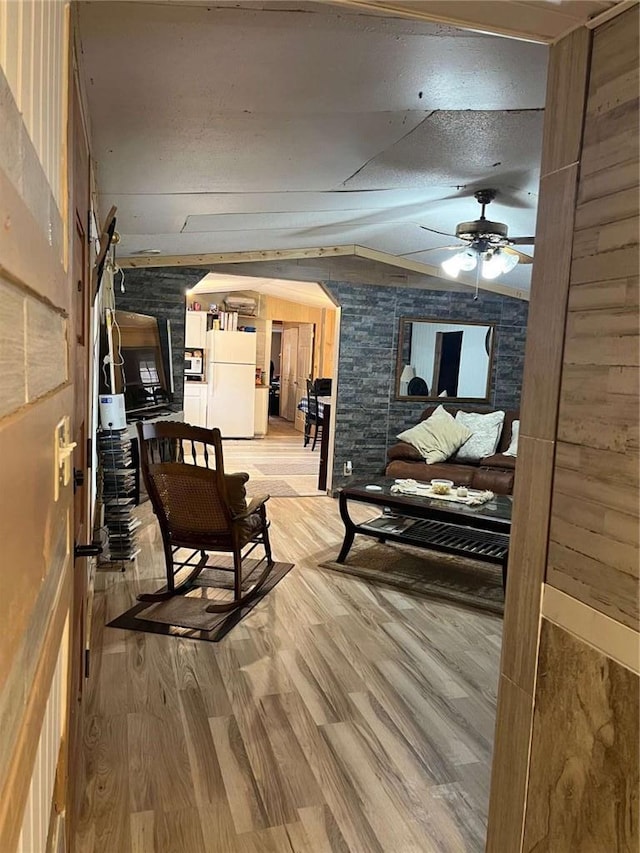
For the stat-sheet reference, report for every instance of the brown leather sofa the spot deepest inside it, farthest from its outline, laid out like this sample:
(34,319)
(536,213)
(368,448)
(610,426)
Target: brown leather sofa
(495,472)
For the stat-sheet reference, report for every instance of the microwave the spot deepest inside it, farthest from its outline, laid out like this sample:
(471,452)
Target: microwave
(193,365)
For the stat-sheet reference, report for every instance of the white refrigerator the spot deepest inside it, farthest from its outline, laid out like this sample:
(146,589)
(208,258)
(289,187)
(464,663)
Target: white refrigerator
(231,382)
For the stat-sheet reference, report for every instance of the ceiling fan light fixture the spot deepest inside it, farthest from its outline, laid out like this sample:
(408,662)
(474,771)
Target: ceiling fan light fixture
(465,261)
(497,263)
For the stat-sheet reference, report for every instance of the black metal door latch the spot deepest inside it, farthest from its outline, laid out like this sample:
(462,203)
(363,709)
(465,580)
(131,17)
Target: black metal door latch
(86,551)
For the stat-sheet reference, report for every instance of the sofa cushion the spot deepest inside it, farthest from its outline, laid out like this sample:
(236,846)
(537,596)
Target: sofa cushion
(403,450)
(494,479)
(438,437)
(499,460)
(462,475)
(486,429)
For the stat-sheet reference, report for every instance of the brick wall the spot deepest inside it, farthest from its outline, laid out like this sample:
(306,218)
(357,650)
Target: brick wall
(368,417)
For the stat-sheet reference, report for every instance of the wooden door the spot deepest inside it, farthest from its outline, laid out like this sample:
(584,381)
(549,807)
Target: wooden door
(289,361)
(304,363)
(82,415)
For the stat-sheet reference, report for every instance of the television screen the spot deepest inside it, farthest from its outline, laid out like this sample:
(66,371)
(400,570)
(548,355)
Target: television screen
(143,374)
(138,347)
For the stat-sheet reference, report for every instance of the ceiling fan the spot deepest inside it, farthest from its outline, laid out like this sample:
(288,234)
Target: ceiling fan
(485,243)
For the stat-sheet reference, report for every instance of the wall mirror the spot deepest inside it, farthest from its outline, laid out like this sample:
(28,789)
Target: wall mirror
(438,359)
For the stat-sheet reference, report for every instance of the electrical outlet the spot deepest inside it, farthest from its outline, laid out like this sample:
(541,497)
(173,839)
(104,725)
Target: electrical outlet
(348,468)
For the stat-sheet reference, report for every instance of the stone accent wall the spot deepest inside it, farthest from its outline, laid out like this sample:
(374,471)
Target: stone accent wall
(368,417)
(160,292)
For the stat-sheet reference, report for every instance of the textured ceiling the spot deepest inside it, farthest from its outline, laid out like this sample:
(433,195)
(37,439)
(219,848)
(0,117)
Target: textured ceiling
(219,129)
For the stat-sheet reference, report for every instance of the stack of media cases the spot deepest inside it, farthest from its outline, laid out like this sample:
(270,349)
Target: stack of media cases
(118,494)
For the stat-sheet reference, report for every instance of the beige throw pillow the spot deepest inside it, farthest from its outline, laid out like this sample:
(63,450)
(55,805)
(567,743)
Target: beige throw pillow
(438,437)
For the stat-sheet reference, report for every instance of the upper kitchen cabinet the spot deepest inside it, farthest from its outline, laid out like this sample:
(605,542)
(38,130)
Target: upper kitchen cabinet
(195,330)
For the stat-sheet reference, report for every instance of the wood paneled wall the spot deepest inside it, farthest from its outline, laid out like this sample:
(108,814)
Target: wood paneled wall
(593,552)
(36,538)
(33,56)
(576,518)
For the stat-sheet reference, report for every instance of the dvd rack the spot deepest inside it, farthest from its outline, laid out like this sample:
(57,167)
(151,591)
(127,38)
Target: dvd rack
(119,490)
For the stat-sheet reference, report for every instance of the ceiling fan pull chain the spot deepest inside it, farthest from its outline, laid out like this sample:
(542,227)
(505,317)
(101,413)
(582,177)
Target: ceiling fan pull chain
(475,295)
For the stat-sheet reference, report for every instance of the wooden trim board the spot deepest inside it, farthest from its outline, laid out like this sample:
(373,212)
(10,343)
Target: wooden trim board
(601,632)
(208,260)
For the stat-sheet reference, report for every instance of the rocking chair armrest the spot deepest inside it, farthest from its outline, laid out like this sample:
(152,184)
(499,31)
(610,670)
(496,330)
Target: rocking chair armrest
(253,506)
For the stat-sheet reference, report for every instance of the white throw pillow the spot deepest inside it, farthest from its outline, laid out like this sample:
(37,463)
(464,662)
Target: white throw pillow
(438,437)
(512,450)
(485,435)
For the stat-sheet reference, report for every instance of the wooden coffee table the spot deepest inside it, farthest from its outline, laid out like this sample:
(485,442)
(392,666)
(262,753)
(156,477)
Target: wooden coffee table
(481,532)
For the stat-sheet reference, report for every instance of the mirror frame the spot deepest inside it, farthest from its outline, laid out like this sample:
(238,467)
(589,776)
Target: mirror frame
(441,321)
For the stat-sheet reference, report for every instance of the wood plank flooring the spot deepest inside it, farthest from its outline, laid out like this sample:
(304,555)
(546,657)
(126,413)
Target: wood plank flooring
(279,464)
(338,716)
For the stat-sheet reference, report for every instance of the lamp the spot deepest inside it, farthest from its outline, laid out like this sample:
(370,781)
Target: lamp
(494,262)
(408,372)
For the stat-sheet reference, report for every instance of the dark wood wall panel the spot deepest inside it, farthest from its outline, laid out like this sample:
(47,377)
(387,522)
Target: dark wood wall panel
(593,553)
(583,780)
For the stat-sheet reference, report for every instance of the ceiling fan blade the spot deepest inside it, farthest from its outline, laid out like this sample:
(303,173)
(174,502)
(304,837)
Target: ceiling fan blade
(522,241)
(434,249)
(522,258)
(433,231)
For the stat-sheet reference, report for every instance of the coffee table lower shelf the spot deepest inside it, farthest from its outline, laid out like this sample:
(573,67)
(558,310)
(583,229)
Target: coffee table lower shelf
(437,535)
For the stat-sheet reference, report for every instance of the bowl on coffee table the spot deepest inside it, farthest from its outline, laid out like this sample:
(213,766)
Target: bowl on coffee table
(441,487)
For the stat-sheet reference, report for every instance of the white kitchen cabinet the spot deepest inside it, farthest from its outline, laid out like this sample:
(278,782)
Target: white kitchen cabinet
(195,329)
(195,403)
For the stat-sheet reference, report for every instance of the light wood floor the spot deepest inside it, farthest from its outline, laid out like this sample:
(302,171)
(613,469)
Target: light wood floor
(336,717)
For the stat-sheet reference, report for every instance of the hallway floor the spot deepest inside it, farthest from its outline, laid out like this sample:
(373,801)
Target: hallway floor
(278,464)
(337,716)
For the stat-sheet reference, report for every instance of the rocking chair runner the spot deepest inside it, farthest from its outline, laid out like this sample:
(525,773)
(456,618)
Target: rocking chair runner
(200,508)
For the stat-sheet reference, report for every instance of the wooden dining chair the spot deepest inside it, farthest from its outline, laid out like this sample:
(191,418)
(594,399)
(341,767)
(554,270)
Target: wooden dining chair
(200,509)
(313,420)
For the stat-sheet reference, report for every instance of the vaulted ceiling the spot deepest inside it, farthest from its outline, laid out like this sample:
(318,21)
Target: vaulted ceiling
(233,127)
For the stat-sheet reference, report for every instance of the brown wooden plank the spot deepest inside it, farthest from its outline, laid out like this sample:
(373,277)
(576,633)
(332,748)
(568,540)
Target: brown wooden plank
(26,256)
(591,581)
(549,292)
(583,780)
(614,496)
(600,429)
(606,635)
(621,350)
(603,321)
(604,294)
(564,105)
(611,208)
(605,238)
(615,50)
(527,559)
(605,266)
(604,466)
(510,768)
(610,140)
(620,526)
(602,548)
(617,178)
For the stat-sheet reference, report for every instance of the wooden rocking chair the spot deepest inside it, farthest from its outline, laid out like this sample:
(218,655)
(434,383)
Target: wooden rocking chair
(200,508)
